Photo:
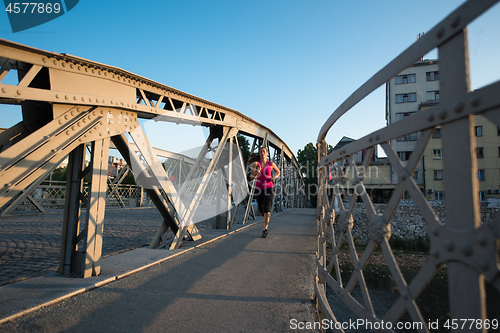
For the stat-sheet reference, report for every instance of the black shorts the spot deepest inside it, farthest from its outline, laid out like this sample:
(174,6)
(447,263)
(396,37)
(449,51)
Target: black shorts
(264,199)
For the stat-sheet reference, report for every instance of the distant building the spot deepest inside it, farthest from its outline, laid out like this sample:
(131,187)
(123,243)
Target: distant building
(416,89)
(114,165)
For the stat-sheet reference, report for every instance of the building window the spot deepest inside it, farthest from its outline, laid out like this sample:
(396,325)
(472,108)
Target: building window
(438,174)
(482,196)
(437,153)
(407,78)
(432,76)
(410,137)
(479,130)
(406,98)
(480,174)
(404,155)
(433,95)
(437,133)
(439,195)
(480,152)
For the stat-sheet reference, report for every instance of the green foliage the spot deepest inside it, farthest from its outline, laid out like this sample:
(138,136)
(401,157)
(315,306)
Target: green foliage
(308,160)
(129,178)
(244,147)
(419,244)
(59,174)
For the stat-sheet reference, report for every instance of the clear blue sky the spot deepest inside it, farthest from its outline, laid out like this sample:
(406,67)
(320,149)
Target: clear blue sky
(287,64)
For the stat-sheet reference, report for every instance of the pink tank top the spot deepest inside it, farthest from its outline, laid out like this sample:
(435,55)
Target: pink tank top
(264,178)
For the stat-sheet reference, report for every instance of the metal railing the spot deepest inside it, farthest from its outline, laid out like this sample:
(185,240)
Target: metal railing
(462,248)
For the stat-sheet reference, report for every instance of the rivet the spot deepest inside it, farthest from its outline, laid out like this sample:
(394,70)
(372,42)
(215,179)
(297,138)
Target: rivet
(66,116)
(99,72)
(84,120)
(72,128)
(78,124)
(72,113)
(435,231)
(482,239)
(74,98)
(83,99)
(19,92)
(440,33)
(79,68)
(4,90)
(475,101)
(53,150)
(100,134)
(377,137)
(67,132)
(93,71)
(484,265)
(403,176)
(55,62)
(80,139)
(71,66)
(97,100)
(60,121)
(435,253)
(8,184)
(458,107)
(455,22)
(449,244)
(370,139)
(66,97)
(109,132)
(89,117)
(86,69)
(44,59)
(430,117)
(467,249)
(442,114)
(93,113)
(57,95)
(63,64)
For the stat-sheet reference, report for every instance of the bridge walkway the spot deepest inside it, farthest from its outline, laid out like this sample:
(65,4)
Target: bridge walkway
(229,281)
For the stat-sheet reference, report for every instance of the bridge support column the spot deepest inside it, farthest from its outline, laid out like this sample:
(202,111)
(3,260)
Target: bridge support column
(81,246)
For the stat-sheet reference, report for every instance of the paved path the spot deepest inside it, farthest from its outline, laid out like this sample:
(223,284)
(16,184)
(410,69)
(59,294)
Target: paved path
(239,283)
(30,244)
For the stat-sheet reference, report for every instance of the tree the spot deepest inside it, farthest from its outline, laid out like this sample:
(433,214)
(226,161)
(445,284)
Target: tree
(308,160)
(244,147)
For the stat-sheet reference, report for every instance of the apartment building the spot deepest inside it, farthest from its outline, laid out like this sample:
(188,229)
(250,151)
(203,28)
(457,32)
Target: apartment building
(416,89)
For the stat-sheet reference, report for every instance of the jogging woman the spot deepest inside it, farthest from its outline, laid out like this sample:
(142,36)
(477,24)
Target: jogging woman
(264,192)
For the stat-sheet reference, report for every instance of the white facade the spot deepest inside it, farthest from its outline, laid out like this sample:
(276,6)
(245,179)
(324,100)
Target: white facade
(405,93)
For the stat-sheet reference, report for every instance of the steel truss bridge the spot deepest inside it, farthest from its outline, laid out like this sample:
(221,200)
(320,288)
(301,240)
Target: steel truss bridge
(73,107)
(467,248)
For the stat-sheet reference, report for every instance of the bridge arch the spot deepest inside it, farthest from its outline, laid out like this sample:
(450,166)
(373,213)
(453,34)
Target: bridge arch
(72,107)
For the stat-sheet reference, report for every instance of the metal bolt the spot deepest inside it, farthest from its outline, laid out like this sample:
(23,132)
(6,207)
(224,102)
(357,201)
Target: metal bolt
(63,64)
(19,92)
(4,90)
(370,139)
(57,95)
(66,97)
(455,22)
(484,265)
(458,107)
(377,137)
(443,113)
(67,132)
(449,244)
(72,113)
(467,249)
(60,121)
(430,117)
(482,239)
(440,33)
(44,60)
